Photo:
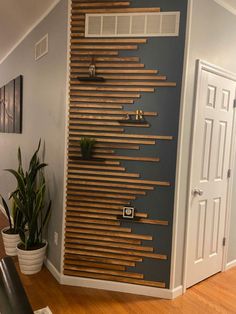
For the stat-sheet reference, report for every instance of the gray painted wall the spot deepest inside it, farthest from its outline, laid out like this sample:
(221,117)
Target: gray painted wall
(44,112)
(212,39)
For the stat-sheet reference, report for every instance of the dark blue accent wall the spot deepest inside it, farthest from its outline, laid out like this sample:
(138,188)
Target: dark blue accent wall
(165,54)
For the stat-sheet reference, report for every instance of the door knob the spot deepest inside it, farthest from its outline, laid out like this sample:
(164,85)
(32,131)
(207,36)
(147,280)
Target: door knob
(197,192)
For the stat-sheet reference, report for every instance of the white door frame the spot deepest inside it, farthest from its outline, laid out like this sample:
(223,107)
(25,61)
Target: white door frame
(202,65)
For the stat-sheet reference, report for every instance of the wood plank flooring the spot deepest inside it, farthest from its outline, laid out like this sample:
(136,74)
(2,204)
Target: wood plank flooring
(215,295)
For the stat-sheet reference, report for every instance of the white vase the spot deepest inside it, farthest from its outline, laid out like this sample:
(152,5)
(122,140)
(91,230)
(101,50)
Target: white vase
(31,261)
(10,242)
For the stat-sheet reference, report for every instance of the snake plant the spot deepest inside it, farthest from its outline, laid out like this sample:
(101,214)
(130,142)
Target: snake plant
(29,197)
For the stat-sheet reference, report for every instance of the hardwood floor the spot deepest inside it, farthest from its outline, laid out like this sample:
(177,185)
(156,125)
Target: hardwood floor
(215,295)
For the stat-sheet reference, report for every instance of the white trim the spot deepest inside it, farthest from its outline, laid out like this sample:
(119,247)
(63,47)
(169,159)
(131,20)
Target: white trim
(121,287)
(66,134)
(230,191)
(56,274)
(42,17)
(230,265)
(113,286)
(179,149)
(226,6)
(202,65)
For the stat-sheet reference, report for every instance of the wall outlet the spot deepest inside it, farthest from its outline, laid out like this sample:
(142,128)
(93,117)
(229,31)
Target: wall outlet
(128,212)
(55,238)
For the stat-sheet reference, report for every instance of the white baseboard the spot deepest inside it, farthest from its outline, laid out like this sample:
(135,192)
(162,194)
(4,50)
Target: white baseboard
(56,274)
(121,287)
(230,264)
(113,286)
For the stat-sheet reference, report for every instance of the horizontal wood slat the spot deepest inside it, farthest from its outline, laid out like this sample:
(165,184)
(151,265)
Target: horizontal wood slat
(102,254)
(103,271)
(111,10)
(109,40)
(110,233)
(94,264)
(102,238)
(113,245)
(100,4)
(99,259)
(110,184)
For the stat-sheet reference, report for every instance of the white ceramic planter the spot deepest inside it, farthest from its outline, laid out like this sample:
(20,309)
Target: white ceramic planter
(31,262)
(10,242)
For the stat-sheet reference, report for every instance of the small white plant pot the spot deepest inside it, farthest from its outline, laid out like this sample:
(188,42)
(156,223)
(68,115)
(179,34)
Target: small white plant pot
(31,261)
(10,242)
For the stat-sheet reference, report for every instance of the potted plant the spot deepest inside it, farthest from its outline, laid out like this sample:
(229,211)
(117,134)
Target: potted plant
(10,234)
(30,199)
(86,147)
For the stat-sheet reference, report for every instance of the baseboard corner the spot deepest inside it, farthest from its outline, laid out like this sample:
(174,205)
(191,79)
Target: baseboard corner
(230,265)
(56,274)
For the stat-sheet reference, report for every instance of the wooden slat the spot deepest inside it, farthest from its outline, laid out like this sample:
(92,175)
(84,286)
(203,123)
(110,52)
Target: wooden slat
(104,200)
(95,53)
(123,10)
(112,245)
(109,40)
(110,123)
(92,221)
(153,222)
(98,210)
(128,83)
(111,145)
(110,184)
(109,95)
(113,174)
(110,233)
(101,254)
(95,128)
(95,105)
(113,112)
(97,88)
(116,157)
(116,71)
(99,260)
(118,77)
(93,264)
(97,227)
(118,140)
(92,99)
(157,137)
(102,47)
(103,238)
(113,278)
(117,251)
(106,59)
(125,180)
(107,195)
(103,271)
(93,210)
(118,191)
(99,167)
(100,4)
(101,65)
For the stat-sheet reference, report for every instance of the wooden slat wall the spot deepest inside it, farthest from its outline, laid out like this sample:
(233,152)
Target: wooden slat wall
(96,243)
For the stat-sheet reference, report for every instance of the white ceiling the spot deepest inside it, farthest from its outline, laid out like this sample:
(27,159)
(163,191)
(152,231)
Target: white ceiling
(17,17)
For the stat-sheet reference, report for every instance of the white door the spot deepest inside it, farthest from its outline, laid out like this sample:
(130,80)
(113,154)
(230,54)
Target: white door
(211,150)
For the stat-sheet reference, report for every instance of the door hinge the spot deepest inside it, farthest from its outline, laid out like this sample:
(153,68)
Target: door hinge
(229,173)
(224,241)
(234,105)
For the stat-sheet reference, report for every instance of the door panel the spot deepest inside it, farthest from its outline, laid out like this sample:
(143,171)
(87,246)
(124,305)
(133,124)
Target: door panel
(209,182)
